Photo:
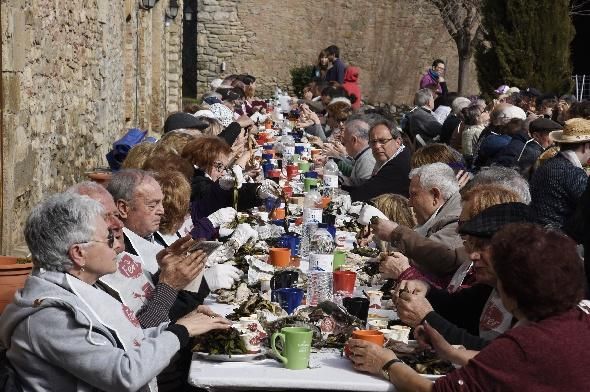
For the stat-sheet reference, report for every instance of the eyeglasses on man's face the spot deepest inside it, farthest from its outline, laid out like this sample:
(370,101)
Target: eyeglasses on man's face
(381,142)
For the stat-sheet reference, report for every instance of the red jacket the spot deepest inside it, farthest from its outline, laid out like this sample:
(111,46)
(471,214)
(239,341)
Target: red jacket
(351,77)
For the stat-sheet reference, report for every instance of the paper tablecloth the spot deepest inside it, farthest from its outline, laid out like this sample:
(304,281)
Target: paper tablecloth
(335,373)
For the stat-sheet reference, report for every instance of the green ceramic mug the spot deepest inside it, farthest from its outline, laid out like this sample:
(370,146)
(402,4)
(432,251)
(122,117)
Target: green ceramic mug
(296,347)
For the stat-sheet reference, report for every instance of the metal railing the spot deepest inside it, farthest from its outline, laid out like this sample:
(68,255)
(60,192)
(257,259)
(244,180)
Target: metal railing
(582,86)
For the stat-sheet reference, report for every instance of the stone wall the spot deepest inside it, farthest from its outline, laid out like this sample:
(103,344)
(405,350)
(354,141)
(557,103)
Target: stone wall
(392,41)
(75,75)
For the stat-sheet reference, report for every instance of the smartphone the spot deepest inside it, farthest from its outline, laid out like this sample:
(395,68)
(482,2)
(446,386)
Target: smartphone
(206,246)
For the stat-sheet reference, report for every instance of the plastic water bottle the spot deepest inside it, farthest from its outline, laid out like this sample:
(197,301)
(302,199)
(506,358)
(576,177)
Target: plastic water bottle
(330,177)
(320,280)
(287,147)
(312,215)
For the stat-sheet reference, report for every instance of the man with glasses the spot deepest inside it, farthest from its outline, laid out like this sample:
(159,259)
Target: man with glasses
(392,164)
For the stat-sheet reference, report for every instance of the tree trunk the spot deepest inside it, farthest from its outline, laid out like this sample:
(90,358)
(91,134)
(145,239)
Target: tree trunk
(463,72)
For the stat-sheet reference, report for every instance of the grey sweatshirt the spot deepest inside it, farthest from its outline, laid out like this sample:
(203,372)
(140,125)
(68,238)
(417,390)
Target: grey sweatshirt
(56,344)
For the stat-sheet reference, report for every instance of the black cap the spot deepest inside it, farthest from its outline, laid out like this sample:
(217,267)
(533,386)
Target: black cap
(231,133)
(543,124)
(183,120)
(489,221)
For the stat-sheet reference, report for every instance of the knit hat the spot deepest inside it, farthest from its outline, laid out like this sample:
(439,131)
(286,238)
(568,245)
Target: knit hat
(511,112)
(183,120)
(543,124)
(489,221)
(576,130)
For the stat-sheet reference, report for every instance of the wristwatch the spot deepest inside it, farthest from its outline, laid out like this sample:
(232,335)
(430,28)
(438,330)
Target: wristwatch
(385,368)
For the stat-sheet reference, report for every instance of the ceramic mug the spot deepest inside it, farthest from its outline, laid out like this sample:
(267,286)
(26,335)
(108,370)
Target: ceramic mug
(372,336)
(339,259)
(357,306)
(280,257)
(289,298)
(296,343)
(344,282)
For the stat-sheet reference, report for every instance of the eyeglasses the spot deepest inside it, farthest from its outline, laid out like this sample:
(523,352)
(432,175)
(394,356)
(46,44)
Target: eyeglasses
(110,240)
(380,141)
(220,166)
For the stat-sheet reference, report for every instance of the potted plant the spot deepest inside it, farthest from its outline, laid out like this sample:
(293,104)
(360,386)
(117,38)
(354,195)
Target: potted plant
(13,273)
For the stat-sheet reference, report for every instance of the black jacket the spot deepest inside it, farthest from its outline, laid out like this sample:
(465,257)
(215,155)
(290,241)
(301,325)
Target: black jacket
(449,126)
(521,153)
(456,316)
(422,122)
(391,178)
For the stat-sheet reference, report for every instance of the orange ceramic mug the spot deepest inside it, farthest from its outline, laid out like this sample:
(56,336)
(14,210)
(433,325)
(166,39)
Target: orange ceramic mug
(372,336)
(280,257)
(278,213)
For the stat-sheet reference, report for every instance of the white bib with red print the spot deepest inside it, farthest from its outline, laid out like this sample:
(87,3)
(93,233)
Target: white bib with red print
(145,249)
(495,319)
(117,317)
(133,284)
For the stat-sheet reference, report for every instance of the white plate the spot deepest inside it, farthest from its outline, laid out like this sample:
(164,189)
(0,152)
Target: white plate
(231,358)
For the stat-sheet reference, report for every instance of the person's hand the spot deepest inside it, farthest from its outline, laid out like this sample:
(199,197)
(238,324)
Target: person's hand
(177,267)
(245,121)
(430,338)
(417,287)
(197,323)
(392,265)
(268,188)
(222,216)
(235,178)
(369,357)
(463,177)
(222,276)
(334,149)
(412,308)
(382,228)
(315,140)
(309,114)
(369,212)
(242,234)
(207,311)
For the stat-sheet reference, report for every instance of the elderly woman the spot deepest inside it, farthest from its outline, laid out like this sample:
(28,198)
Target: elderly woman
(214,192)
(546,349)
(63,334)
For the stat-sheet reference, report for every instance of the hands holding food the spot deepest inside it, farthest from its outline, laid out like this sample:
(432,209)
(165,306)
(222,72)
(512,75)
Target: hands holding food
(222,216)
(198,323)
(222,276)
(178,266)
(382,227)
(369,357)
(268,188)
(367,213)
(393,264)
(412,308)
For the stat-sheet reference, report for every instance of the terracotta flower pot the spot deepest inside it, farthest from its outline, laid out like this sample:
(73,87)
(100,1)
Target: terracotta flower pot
(12,278)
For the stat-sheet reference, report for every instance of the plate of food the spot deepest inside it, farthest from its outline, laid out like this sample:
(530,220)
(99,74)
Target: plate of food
(226,346)
(424,361)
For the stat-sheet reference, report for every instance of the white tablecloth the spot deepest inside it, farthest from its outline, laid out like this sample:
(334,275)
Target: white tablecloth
(335,373)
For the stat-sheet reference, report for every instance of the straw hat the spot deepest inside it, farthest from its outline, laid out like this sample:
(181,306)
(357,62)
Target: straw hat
(576,130)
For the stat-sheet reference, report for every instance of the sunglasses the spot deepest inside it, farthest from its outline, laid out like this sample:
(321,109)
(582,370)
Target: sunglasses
(110,240)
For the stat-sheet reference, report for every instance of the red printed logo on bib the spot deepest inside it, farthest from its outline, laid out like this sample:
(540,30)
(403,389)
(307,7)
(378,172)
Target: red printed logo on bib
(130,315)
(129,268)
(491,318)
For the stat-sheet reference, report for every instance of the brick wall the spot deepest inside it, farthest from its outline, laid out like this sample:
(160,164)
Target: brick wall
(393,42)
(75,75)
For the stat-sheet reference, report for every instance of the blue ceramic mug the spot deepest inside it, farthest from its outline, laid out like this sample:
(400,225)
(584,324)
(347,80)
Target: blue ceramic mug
(292,242)
(289,298)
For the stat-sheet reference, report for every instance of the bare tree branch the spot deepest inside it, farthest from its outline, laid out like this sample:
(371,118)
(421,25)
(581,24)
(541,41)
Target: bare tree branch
(580,8)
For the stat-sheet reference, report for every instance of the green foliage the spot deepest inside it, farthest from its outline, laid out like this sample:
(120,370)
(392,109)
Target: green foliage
(300,76)
(527,44)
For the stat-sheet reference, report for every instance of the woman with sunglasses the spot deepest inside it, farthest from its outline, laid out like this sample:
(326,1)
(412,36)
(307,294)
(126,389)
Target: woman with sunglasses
(60,332)
(213,193)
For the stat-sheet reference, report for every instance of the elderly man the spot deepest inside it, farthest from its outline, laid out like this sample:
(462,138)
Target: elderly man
(138,199)
(393,160)
(435,199)
(356,142)
(422,125)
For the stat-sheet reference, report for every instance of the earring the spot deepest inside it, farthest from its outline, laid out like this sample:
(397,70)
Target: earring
(82,268)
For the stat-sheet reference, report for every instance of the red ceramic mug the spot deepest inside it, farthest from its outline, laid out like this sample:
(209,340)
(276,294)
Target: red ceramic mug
(344,281)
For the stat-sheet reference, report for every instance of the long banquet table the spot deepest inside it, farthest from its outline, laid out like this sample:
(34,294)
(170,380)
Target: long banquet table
(334,372)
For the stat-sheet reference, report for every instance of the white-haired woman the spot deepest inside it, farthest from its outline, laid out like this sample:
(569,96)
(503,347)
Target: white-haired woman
(60,332)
